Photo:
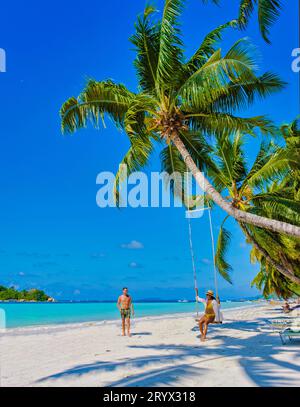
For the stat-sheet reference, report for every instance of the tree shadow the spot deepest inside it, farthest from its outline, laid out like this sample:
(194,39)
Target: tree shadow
(141,334)
(265,369)
(166,377)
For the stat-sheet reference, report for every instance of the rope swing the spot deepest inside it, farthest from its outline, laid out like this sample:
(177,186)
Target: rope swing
(193,262)
(191,214)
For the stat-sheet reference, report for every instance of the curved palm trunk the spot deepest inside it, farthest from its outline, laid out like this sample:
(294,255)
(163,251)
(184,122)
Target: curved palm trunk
(240,216)
(282,270)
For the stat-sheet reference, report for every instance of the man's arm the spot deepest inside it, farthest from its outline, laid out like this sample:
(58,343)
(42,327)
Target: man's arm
(118,303)
(131,305)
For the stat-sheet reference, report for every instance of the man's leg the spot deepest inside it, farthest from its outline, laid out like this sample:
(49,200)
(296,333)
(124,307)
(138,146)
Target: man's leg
(123,326)
(128,326)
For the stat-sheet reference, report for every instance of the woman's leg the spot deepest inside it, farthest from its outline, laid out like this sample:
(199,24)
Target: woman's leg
(201,323)
(205,329)
(206,323)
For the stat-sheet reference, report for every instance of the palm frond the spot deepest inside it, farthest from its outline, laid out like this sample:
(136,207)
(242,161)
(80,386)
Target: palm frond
(96,100)
(207,48)
(223,267)
(245,12)
(219,123)
(231,159)
(270,167)
(198,148)
(245,52)
(268,12)
(210,80)
(173,164)
(266,150)
(291,133)
(135,159)
(213,1)
(170,54)
(278,207)
(269,242)
(146,40)
(241,94)
(135,119)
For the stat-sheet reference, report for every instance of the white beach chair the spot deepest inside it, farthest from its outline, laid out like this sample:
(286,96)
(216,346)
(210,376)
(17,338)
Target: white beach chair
(292,332)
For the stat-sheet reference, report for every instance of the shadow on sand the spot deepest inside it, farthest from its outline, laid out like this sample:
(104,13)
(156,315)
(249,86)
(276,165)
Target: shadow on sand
(264,370)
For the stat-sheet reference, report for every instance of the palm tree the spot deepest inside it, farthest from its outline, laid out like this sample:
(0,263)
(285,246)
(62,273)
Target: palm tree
(267,13)
(267,189)
(271,282)
(181,102)
(269,276)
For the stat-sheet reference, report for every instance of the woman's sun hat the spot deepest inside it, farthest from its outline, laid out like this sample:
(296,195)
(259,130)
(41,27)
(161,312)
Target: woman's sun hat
(210,292)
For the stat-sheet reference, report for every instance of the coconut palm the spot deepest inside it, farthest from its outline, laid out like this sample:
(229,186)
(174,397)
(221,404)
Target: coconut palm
(267,189)
(267,13)
(271,282)
(181,102)
(269,278)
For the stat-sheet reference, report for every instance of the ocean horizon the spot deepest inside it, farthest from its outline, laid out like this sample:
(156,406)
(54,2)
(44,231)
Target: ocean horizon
(23,314)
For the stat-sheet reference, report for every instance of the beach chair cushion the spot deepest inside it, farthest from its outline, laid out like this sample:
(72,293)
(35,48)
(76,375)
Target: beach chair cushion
(292,332)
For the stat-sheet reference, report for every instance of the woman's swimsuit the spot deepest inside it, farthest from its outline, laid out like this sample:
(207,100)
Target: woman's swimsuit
(209,311)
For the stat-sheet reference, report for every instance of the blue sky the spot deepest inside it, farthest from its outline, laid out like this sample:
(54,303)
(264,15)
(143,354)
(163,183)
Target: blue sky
(53,235)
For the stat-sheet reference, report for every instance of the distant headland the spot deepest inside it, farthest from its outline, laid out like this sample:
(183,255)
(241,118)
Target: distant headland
(8,294)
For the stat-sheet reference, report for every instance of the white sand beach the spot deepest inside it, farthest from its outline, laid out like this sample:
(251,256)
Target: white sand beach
(163,351)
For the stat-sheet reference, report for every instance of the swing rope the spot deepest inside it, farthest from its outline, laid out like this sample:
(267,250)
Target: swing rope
(213,252)
(193,255)
(193,263)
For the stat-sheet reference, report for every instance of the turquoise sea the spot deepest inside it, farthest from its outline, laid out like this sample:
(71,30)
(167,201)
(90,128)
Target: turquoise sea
(13,315)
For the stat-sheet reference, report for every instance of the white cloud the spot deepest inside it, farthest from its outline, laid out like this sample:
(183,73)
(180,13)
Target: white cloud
(206,261)
(21,273)
(134,245)
(76,292)
(97,255)
(135,265)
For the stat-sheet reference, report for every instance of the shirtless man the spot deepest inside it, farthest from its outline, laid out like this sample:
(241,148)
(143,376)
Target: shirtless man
(125,307)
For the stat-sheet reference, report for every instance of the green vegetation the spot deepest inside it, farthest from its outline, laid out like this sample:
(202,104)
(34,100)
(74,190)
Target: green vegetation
(278,255)
(270,187)
(7,294)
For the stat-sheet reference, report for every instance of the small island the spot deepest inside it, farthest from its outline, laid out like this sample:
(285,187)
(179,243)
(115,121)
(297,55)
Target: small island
(33,295)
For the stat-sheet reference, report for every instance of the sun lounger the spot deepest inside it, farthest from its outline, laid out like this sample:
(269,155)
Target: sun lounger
(280,323)
(290,333)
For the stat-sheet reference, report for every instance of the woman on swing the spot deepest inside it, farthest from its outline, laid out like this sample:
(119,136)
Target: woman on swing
(211,311)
